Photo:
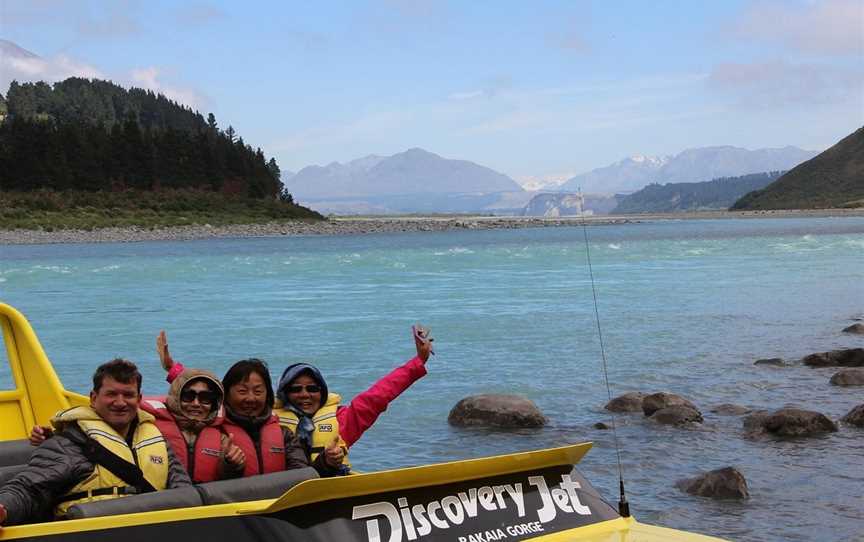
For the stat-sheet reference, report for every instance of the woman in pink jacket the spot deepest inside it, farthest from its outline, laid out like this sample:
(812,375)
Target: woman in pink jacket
(317,417)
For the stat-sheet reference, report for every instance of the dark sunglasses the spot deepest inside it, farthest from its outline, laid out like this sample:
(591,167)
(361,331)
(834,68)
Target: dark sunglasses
(311,388)
(205,397)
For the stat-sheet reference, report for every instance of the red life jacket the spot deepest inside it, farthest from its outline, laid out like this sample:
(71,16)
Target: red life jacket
(203,464)
(271,446)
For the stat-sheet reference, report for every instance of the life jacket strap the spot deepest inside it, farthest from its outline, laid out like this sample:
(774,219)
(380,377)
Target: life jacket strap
(122,490)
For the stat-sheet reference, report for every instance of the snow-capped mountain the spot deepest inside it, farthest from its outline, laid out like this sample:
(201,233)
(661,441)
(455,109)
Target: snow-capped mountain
(692,165)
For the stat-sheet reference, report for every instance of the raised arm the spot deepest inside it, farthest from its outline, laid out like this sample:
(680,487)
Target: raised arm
(365,408)
(173,368)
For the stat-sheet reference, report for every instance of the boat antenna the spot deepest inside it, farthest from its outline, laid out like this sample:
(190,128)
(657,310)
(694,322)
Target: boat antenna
(623,505)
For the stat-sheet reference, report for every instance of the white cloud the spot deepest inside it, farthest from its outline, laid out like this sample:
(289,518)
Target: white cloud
(30,69)
(369,127)
(778,83)
(822,26)
(148,78)
(199,14)
(461,96)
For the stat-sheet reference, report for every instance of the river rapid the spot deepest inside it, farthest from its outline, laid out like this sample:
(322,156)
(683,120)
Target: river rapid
(685,307)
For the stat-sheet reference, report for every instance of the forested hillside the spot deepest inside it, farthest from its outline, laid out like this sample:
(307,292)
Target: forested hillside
(832,179)
(681,197)
(93,136)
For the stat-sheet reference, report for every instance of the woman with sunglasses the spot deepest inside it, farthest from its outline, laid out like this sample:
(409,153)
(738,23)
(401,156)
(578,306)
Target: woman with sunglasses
(315,415)
(191,421)
(257,441)
(267,446)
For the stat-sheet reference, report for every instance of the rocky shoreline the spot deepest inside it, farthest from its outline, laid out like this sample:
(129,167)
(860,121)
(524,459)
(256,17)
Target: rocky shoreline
(333,226)
(367,225)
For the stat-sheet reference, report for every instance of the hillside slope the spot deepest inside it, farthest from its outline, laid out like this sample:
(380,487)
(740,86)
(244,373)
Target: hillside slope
(832,179)
(684,197)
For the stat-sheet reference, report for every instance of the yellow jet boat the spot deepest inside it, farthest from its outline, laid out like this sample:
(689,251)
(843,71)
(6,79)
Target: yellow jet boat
(536,495)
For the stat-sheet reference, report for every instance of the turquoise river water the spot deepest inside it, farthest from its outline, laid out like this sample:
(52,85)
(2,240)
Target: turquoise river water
(685,307)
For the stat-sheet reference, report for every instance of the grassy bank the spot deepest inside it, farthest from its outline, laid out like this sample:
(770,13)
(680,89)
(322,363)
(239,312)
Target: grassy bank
(50,211)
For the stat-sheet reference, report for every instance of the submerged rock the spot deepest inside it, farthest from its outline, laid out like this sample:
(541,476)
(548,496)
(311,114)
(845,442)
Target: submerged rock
(796,422)
(677,415)
(754,423)
(496,410)
(849,357)
(654,402)
(725,483)
(855,328)
(848,377)
(855,416)
(773,362)
(728,409)
(629,402)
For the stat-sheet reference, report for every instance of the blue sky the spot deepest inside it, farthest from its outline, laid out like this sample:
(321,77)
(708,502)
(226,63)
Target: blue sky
(531,89)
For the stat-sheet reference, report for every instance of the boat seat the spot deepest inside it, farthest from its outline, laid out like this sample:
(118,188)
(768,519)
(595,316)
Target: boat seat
(15,452)
(253,488)
(183,497)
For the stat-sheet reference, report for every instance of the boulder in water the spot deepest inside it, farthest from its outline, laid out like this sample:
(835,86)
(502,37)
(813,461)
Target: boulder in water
(725,483)
(773,362)
(496,410)
(601,425)
(629,402)
(754,423)
(855,328)
(654,402)
(855,416)
(796,422)
(677,415)
(848,377)
(849,357)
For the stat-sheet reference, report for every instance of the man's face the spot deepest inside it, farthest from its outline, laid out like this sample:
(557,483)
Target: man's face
(116,403)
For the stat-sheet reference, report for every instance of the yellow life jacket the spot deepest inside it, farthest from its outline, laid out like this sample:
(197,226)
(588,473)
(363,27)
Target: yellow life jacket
(326,426)
(149,452)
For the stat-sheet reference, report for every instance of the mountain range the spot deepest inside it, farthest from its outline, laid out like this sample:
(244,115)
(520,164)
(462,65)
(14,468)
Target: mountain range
(420,181)
(412,172)
(692,165)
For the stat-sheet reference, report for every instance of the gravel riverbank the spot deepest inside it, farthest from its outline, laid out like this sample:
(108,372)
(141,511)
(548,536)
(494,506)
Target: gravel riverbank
(366,225)
(334,226)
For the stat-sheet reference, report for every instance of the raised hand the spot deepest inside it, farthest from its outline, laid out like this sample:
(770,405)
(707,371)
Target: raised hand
(162,349)
(40,434)
(423,342)
(334,454)
(232,453)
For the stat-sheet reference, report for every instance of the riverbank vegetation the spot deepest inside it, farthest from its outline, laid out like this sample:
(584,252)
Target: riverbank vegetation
(76,209)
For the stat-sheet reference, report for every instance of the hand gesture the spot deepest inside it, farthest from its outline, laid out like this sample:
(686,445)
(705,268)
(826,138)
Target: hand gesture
(2,516)
(40,434)
(334,454)
(232,453)
(423,342)
(162,349)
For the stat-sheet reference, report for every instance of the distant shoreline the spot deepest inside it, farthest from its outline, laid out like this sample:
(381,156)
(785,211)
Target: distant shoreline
(360,225)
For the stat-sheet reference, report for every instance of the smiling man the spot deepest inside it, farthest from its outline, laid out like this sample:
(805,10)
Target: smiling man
(103,451)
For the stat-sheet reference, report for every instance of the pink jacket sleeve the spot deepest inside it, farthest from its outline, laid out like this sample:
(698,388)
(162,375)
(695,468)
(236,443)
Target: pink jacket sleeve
(174,372)
(364,409)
